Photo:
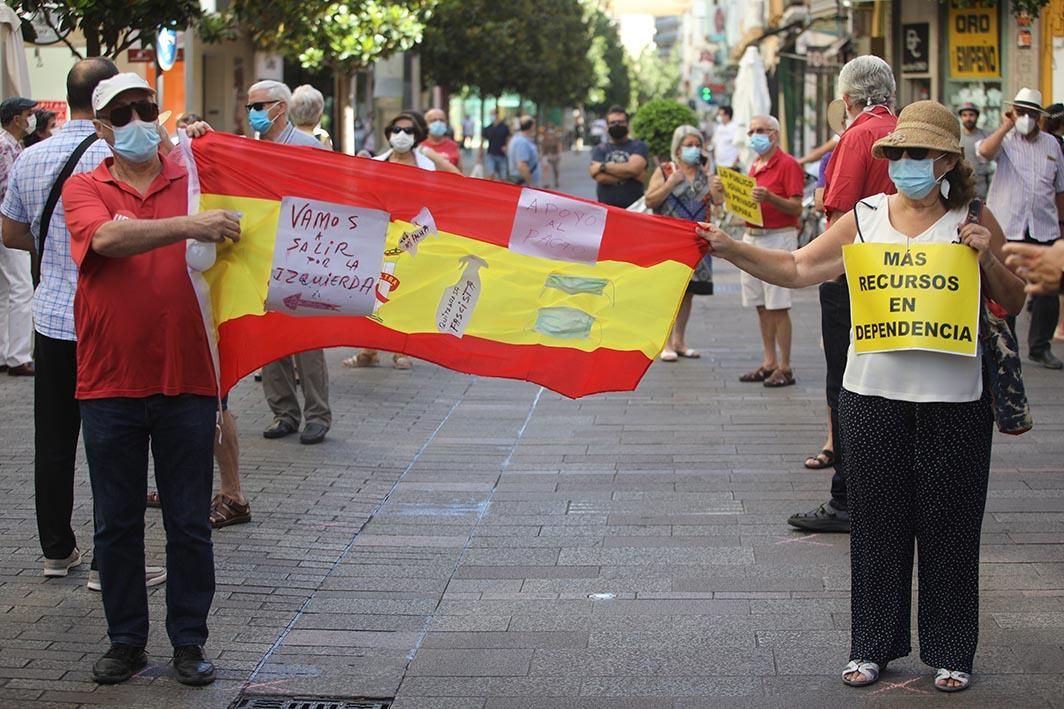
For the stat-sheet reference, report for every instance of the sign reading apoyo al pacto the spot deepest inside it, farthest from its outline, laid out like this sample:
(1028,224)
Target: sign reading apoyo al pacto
(974,41)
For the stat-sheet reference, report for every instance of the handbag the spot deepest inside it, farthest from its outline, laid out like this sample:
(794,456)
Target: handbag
(1002,374)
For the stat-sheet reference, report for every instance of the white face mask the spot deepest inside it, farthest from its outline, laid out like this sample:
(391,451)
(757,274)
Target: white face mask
(1024,125)
(31,123)
(401,142)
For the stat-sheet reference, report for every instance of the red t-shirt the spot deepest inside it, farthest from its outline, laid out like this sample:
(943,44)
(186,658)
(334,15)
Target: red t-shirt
(139,325)
(782,176)
(447,148)
(853,173)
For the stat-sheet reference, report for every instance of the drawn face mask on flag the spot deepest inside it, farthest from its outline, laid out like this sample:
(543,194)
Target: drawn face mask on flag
(564,323)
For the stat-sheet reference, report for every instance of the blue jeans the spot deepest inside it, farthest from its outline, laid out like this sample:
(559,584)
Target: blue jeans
(498,165)
(180,432)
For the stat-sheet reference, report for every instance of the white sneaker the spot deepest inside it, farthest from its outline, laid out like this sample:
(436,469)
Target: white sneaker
(60,567)
(153,576)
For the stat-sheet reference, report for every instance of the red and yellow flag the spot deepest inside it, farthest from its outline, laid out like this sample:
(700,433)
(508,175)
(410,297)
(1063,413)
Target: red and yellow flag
(480,277)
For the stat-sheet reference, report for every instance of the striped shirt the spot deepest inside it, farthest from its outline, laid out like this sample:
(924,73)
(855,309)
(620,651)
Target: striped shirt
(31,180)
(1023,193)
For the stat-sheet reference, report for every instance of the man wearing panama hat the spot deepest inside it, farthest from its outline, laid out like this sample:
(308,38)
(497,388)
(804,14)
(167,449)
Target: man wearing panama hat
(1027,195)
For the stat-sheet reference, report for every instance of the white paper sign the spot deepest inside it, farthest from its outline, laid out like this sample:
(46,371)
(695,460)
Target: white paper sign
(424,227)
(327,258)
(458,302)
(556,227)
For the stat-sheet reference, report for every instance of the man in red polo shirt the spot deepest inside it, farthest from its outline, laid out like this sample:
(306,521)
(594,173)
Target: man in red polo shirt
(780,183)
(144,377)
(867,87)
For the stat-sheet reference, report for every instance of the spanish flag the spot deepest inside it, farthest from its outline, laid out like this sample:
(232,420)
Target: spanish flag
(480,277)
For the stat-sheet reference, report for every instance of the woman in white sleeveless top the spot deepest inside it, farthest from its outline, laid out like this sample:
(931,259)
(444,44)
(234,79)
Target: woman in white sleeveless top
(916,425)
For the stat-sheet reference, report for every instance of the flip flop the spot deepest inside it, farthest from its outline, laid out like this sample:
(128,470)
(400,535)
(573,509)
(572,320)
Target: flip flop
(669,356)
(823,459)
(689,353)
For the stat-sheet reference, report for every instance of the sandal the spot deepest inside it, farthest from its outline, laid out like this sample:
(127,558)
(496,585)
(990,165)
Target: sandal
(780,378)
(401,362)
(758,375)
(668,355)
(153,499)
(943,675)
(868,671)
(226,511)
(689,353)
(365,358)
(823,459)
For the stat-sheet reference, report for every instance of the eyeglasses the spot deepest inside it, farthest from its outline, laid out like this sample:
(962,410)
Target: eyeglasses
(894,154)
(122,115)
(409,130)
(259,105)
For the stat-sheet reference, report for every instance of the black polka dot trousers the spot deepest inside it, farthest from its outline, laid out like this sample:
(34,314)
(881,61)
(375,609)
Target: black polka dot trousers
(917,482)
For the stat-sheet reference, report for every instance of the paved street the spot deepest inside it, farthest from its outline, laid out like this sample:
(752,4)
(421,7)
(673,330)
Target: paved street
(477,543)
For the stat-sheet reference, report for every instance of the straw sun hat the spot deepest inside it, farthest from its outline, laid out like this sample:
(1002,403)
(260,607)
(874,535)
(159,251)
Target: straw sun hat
(923,124)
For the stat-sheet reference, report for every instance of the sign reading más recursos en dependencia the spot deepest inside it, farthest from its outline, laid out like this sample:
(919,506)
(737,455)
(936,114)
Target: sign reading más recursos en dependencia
(974,40)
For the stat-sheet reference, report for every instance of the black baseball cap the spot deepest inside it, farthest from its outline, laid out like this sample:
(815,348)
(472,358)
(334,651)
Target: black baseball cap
(13,106)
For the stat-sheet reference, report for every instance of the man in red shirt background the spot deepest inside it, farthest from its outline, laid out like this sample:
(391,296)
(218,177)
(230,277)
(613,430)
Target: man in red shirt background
(144,377)
(867,87)
(438,139)
(780,183)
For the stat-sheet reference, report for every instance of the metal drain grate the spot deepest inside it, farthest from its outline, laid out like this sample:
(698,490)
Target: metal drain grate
(276,701)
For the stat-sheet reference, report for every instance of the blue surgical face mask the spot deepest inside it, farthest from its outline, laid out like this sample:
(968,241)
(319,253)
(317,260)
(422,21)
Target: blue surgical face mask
(760,143)
(691,154)
(137,141)
(260,120)
(913,178)
(437,129)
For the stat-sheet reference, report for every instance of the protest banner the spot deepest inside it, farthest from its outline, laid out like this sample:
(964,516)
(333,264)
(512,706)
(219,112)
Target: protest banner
(739,196)
(480,277)
(913,297)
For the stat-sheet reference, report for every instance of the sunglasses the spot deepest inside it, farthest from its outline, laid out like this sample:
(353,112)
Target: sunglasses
(894,154)
(259,105)
(409,130)
(122,115)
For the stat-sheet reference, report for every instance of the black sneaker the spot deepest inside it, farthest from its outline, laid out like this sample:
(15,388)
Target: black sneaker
(823,519)
(119,664)
(1047,359)
(192,666)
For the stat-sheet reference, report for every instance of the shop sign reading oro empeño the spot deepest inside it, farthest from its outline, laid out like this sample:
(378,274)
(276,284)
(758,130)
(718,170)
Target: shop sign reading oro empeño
(974,40)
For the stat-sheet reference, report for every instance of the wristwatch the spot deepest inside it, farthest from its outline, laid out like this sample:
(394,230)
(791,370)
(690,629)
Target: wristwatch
(602,167)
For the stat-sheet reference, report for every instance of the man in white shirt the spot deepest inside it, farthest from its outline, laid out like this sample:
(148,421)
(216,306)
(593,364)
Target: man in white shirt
(1027,197)
(725,151)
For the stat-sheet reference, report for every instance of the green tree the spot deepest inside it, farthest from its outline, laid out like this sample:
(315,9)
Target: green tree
(556,42)
(653,77)
(112,26)
(347,37)
(537,48)
(655,122)
(612,85)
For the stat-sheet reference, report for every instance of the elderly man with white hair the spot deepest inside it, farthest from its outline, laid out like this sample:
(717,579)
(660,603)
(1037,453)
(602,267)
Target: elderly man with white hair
(305,111)
(269,107)
(867,87)
(780,184)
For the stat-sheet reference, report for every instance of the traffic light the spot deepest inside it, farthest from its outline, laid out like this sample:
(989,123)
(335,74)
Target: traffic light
(706,94)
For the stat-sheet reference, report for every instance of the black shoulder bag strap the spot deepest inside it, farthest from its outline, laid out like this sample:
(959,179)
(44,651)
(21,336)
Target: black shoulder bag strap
(53,200)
